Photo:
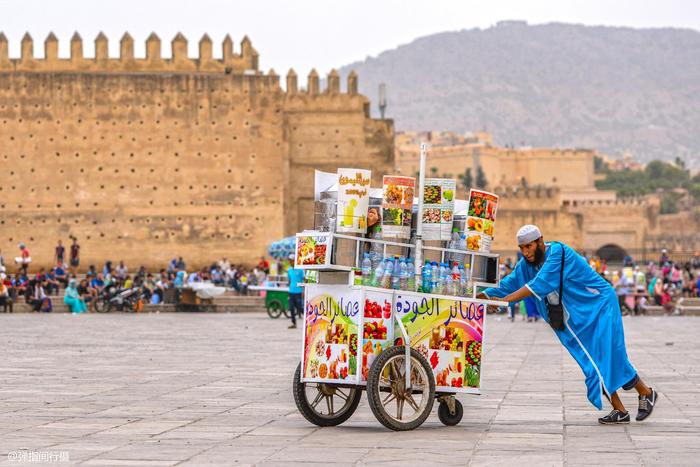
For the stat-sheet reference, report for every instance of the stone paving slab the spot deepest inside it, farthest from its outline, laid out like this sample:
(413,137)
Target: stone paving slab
(215,389)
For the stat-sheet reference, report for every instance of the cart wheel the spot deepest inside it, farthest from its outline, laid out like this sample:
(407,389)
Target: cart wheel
(394,406)
(324,404)
(274,309)
(447,418)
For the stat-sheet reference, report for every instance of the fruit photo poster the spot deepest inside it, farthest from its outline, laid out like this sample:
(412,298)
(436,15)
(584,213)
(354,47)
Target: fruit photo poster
(448,333)
(480,221)
(397,204)
(332,316)
(377,328)
(438,208)
(353,200)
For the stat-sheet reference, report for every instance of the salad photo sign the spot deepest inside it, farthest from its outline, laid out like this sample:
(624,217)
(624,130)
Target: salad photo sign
(438,208)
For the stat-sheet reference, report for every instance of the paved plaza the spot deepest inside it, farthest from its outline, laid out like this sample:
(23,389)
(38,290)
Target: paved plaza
(196,389)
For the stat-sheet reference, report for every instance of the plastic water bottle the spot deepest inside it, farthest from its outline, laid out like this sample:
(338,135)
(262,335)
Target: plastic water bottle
(411,273)
(466,277)
(403,274)
(439,287)
(376,250)
(366,270)
(388,273)
(460,286)
(378,274)
(396,276)
(448,287)
(427,277)
(461,245)
(453,245)
(435,279)
(456,277)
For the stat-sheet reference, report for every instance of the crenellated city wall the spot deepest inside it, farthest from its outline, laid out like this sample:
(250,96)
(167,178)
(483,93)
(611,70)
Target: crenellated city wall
(146,159)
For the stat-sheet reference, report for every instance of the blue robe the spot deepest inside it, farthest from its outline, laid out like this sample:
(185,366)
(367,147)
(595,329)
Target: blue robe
(594,335)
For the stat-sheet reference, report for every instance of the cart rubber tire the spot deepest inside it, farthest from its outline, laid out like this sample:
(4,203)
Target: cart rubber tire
(374,395)
(446,417)
(274,310)
(310,414)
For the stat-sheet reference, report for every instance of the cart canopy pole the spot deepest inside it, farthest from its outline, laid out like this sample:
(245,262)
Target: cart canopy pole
(418,257)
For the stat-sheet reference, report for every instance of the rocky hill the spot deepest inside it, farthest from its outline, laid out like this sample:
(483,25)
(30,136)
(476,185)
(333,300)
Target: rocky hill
(610,88)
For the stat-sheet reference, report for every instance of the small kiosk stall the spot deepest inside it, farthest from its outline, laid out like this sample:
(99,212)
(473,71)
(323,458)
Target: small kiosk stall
(378,318)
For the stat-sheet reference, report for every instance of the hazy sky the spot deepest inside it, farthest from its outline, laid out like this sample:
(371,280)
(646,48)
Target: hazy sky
(312,33)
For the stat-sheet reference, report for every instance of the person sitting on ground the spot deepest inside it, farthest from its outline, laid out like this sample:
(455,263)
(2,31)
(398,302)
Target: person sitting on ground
(98,283)
(264,265)
(107,270)
(122,271)
(194,277)
(88,294)
(172,265)
(217,276)
(128,282)
(40,301)
(5,298)
(52,285)
(72,298)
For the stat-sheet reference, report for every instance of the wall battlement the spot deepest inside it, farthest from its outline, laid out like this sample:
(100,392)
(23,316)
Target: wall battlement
(244,63)
(527,193)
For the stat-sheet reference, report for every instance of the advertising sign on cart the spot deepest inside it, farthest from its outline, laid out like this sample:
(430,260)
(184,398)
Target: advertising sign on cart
(332,316)
(438,208)
(480,220)
(377,327)
(397,204)
(312,250)
(448,331)
(353,200)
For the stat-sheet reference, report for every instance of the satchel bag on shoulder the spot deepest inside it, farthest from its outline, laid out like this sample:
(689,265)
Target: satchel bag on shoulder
(556,311)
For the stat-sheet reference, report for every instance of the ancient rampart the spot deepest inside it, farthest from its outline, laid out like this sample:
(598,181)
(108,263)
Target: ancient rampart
(145,159)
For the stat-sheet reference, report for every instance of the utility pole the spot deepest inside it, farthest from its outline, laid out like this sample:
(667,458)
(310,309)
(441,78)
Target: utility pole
(382,100)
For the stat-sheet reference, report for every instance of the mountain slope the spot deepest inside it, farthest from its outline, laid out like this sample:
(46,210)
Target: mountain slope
(608,88)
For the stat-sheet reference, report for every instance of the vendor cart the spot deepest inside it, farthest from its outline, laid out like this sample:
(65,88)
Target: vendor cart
(197,297)
(405,348)
(276,290)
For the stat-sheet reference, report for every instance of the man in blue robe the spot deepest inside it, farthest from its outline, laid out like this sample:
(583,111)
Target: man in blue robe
(592,330)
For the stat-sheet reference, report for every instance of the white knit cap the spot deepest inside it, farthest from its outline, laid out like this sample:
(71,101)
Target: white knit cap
(527,234)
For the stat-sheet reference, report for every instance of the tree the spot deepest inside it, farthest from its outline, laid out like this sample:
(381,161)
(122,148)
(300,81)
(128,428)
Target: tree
(434,171)
(480,178)
(669,203)
(466,179)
